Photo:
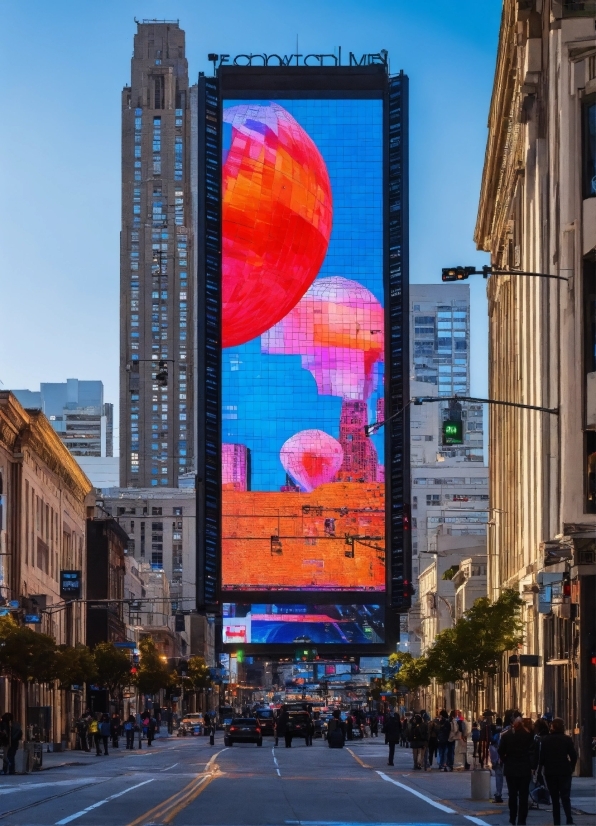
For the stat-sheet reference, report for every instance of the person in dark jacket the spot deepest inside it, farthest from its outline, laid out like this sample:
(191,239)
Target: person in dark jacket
(557,761)
(443,732)
(392,732)
(104,731)
(115,729)
(283,727)
(515,750)
(12,733)
(419,741)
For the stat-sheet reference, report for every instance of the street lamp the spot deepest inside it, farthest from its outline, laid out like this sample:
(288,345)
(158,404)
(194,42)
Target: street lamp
(463,273)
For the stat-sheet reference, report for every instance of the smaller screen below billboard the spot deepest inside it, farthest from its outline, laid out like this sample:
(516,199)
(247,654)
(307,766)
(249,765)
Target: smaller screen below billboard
(245,623)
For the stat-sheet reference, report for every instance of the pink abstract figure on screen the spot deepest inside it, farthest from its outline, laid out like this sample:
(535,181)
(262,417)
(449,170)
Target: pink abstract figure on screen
(311,458)
(338,329)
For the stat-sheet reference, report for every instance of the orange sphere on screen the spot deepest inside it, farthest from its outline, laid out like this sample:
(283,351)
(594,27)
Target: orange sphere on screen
(276,218)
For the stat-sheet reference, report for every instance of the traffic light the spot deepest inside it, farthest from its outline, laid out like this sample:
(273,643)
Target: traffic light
(457,273)
(162,374)
(566,589)
(453,433)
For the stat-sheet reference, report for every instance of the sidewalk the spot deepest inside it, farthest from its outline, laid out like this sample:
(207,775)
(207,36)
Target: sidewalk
(454,788)
(75,757)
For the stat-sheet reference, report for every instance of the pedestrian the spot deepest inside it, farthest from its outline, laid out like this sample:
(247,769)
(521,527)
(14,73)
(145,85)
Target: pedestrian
(443,733)
(129,731)
(283,727)
(374,725)
(115,729)
(557,759)
(336,731)
(151,729)
(419,742)
(11,734)
(496,762)
(475,740)
(403,737)
(82,734)
(104,731)
(486,733)
(350,727)
(393,730)
(515,750)
(90,735)
(93,729)
(433,730)
(461,743)
(310,730)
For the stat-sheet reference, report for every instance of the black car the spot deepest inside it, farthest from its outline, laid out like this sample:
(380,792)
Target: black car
(243,730)
(266,721)
(300,725)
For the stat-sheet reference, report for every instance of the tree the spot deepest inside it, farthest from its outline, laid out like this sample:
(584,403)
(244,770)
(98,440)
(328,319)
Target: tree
(113,667)
(153,671)
(474,646)
(26,655)
(197,675)
(75,666)
(413,671)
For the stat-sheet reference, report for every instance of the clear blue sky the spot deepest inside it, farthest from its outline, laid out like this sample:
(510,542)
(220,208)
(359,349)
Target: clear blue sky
(64,64)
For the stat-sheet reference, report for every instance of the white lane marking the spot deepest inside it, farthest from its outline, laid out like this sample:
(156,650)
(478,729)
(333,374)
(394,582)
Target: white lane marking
(100,803)
(278,772)
(476,820)
(26,786)
(208,766)
(167,768)
(418,794)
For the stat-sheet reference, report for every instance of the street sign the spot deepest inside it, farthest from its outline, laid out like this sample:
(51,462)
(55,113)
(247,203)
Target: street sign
(34,618)
(70,584)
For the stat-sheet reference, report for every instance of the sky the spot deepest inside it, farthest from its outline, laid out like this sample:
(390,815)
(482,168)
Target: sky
(64,65)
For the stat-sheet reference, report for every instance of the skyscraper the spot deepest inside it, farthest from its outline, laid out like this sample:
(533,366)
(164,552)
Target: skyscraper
(440,356)
(156,293)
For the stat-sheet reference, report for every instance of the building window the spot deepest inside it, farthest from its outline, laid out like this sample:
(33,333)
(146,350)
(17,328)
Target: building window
(589,148)
(158,92)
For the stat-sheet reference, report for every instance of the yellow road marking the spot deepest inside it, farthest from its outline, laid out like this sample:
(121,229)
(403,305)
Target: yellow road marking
(355,756)
(168,809)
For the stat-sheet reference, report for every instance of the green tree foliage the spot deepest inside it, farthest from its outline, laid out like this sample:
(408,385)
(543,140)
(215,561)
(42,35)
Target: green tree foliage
(413,671)
(75,666)
(26,655)
(197,675)
(113,667)
(153,671)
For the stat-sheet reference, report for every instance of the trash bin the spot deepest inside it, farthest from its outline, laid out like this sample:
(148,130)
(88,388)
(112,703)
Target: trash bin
(480,784)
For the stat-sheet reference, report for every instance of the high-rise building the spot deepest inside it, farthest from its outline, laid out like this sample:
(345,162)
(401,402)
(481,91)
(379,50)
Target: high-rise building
(156,292)
(78,414)
(440,356)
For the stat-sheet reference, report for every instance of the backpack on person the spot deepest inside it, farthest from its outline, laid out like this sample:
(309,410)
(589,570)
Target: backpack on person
(335,737)
(455,732)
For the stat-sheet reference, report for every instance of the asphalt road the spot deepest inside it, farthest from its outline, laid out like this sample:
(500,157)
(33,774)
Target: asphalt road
(185,781)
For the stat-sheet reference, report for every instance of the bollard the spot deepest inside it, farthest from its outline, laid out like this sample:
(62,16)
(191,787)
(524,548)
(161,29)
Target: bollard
(480,784)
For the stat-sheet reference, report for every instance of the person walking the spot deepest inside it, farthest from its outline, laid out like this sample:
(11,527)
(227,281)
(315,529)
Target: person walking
(433,730)
(283,727)
(11,734)
(374,725)
(336,731)
(515,750)
(444,730)
(82,734)
(350,727)
(419,741)
(104,731)
(455,735)
(393,730)
(151,729)
(115,729)
(129,731)
(93,730)
(556,760)
(496,762)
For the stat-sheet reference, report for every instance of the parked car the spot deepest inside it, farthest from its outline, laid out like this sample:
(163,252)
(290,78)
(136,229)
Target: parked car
(243,730)
(191,724)
(266,721)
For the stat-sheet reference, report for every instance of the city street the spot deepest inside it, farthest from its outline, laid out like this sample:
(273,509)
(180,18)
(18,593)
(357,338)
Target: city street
(186,781)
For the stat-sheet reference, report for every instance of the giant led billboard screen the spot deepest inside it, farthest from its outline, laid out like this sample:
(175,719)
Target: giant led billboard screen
(303,624)
(303,488)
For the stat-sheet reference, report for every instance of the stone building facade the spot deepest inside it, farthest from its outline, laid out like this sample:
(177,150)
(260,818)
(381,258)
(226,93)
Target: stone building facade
(45,501)
(538,214)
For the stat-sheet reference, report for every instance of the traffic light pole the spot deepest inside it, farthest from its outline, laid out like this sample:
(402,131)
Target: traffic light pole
(370,429)
(462,273)
(423,399)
